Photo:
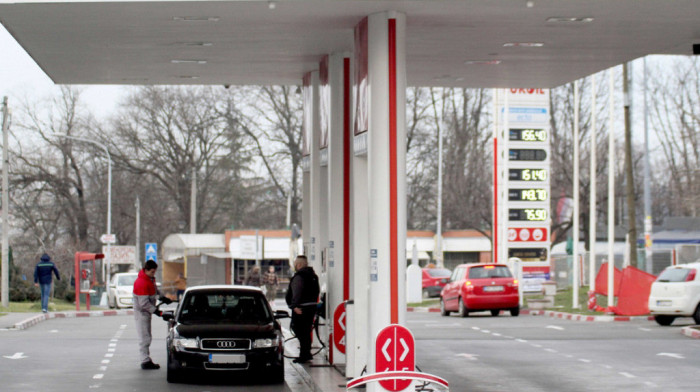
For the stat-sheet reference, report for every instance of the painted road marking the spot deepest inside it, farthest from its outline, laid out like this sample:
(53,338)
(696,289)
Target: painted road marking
(672,355)
(558,328)
(476,328)
(627,375)
(496,334)
(536,345)
(471,357)
(550,350)
(521,340)
(105,361)
(98,376)
(108,355)
(16,356)
(644,329)
(585,360)
(53,331)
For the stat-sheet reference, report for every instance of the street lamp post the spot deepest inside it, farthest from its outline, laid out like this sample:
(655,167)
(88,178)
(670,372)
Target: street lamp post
(108,257)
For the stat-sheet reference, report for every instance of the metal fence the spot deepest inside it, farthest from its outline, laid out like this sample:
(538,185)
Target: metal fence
(562,265)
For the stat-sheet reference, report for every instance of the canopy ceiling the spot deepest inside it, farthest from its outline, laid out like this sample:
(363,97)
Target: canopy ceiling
(262,42)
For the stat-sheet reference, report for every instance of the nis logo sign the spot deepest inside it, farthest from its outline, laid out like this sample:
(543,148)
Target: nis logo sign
(527,91)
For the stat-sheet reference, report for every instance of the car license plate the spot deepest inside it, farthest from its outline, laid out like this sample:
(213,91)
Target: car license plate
(493,288)
(226,358)
(664,303)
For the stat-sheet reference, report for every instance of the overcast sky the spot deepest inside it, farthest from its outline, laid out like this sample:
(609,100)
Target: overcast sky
(20,77)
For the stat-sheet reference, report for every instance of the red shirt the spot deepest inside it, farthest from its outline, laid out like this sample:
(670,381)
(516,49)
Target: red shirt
(144,284)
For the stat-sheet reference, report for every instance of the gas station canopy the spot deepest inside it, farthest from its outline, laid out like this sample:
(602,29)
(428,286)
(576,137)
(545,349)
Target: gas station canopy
(465,43)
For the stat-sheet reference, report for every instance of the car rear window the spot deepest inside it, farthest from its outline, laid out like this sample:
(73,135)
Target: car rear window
(489,271)
(439,272)
(225,307)
(127,280)
(674,275)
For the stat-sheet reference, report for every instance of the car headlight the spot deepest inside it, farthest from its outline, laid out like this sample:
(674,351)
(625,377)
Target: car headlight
(181,343)
(265,343)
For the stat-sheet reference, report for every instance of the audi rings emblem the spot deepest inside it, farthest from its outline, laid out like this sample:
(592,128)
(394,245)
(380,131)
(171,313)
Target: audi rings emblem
(225,344)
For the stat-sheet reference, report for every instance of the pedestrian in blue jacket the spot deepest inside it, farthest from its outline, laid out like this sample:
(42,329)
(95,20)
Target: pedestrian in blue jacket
(43,279)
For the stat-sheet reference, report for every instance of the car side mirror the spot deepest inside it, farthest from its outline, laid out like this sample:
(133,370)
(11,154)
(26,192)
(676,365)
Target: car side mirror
(281,314)
(168,315)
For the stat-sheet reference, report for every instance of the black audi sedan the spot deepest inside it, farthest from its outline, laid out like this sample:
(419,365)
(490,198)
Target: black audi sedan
(224,329)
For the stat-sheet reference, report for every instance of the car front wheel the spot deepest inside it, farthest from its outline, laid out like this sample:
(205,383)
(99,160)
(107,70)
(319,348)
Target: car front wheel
(463,311)
(664,320)
(443,311)
(696,315)
(173,372)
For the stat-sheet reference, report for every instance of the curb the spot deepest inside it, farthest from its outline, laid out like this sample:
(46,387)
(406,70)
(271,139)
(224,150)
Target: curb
(580,317)
(43,317)
(692,332)
(560,315)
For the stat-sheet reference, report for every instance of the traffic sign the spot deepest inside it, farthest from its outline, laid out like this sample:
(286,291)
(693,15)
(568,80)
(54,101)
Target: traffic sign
(339,322)
(395,351)
(152,251)
(108,239)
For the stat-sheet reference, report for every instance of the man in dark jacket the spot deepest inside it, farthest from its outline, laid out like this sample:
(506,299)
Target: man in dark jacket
(43,279)
(301,298)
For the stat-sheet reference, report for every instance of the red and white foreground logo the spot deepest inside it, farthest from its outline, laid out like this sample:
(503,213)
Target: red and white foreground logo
(395,351)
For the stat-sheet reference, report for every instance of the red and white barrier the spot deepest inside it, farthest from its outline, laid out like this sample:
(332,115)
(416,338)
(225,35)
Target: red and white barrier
(398,375)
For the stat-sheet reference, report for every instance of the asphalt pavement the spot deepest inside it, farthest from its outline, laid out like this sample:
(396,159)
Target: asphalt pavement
(477,353)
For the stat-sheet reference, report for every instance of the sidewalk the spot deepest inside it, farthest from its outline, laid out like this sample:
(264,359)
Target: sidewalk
(19,321)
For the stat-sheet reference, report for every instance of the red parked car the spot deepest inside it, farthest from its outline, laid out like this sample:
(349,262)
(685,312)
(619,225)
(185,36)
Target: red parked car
(434,279)
(479,287)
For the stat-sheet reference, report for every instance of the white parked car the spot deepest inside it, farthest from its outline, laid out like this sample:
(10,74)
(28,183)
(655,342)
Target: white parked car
(676,293)
(121,289)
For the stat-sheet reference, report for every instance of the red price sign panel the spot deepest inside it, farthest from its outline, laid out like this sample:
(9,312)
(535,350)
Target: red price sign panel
(339,326)
(395,351)
(527,234)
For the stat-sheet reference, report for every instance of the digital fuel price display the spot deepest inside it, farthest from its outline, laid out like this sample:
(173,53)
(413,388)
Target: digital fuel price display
(527,135)
(527,214)
(528,254)
(527,175)
(528,194)
(527,154)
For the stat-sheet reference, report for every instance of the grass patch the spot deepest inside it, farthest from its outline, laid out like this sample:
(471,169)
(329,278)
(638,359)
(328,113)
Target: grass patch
(55,305)
(426,303)
(563,301)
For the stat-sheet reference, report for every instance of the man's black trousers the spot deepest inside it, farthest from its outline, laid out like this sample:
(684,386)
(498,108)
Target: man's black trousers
(302,325)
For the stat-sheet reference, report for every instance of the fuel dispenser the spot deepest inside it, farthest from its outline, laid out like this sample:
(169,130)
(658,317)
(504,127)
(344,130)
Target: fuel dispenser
(85,276)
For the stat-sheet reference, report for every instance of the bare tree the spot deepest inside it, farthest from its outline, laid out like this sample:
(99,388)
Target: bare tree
(271,120)
(56,184)
(164,135)
(676,120)
(467,196)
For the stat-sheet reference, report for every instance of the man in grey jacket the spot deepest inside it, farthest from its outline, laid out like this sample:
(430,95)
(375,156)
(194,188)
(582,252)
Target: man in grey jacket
(145,296)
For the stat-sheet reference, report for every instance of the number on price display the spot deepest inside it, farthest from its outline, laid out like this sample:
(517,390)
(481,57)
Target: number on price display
(527,174)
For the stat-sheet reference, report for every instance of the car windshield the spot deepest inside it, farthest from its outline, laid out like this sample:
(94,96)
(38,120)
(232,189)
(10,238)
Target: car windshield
(225,307)
(489,271)
(439,272)
(674,275)
(126,280)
